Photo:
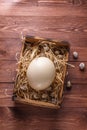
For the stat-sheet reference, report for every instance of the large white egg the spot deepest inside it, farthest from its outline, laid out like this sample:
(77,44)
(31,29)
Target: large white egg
(41,73)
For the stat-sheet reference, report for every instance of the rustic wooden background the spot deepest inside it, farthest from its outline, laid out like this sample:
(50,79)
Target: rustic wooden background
(57,19)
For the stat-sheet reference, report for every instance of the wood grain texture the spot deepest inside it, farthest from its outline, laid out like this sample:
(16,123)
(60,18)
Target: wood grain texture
(8,72)
(34,118)
(12,9)
(75,98)
(62,2)
(7,51)
(57,19)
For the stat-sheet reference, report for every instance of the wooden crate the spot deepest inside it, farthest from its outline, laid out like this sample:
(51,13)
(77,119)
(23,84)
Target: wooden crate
(34,41)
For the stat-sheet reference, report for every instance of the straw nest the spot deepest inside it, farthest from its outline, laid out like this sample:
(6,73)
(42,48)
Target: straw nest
(58,55)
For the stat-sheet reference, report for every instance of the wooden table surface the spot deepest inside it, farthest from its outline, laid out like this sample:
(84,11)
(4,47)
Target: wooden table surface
(57,19)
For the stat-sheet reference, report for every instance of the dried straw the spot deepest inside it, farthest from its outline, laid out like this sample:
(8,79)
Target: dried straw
(22,87)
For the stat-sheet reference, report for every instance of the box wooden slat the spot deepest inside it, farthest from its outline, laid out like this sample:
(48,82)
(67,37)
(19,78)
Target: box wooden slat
(33,40)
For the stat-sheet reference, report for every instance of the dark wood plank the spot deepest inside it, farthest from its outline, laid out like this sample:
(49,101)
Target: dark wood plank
(61,2)
(48,26)
(46,2)
(48,23)
(75,39)
(74,98)
(25,10)
(10,49)
(77,89)
(68,102)
(19,2)
(54,2)
(8,72)
(37,119)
